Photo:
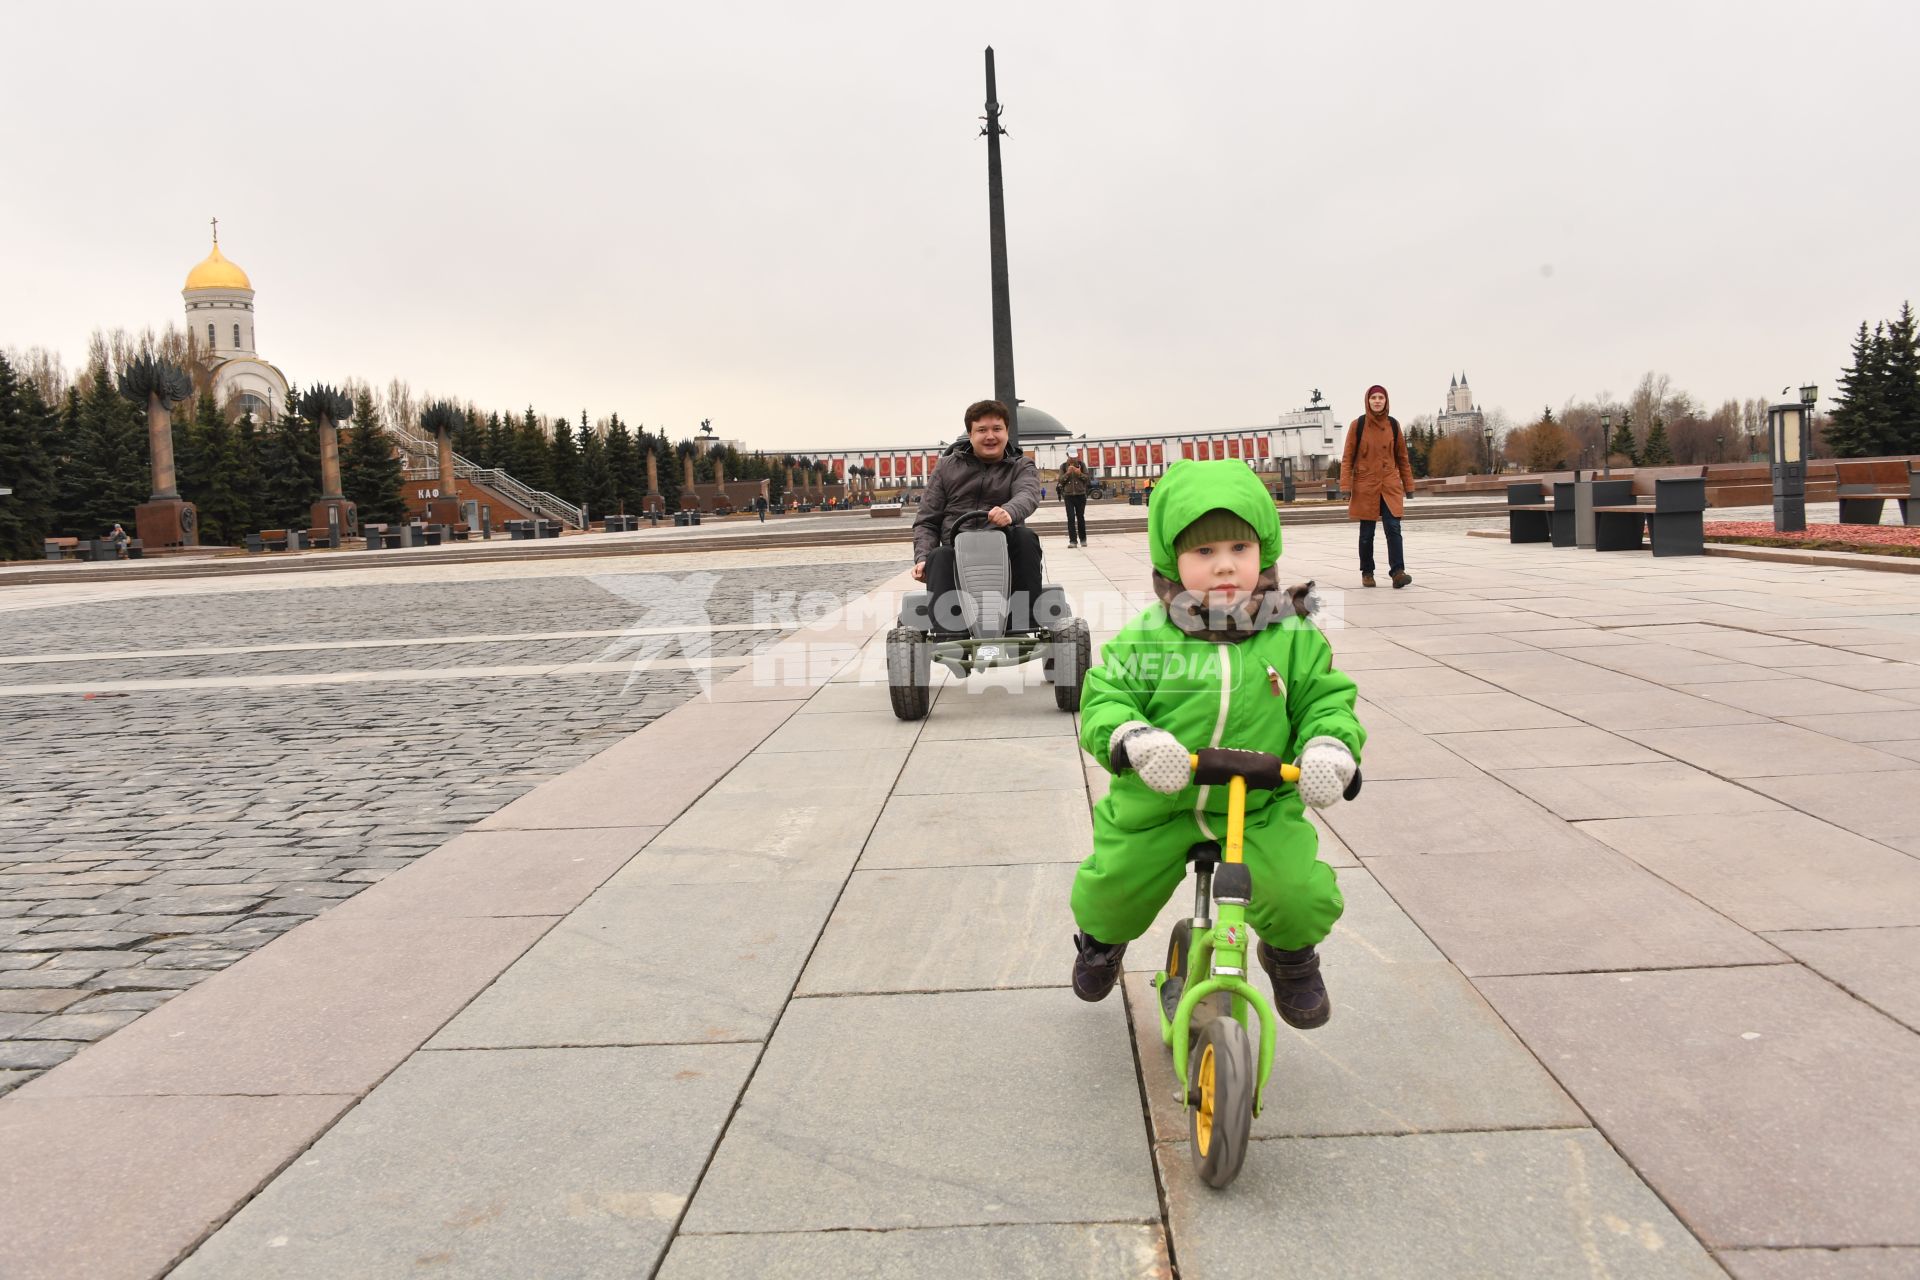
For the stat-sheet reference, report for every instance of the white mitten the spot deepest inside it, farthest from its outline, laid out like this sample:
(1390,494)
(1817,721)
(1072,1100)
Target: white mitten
(1154,754)
(1326,767)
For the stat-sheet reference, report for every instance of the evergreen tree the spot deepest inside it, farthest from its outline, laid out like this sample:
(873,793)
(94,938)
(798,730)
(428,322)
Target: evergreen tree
(370,470)
(1623,444)
(469,438)
(1900,387)
(596,476)
(566,458)
(250,480)
(532,454)
(1855,427)
(498,443)
(628,471)
(71,465)
(107,475)
(28,439)
(1658,452)
(290,461)
(668,459)
(225,508)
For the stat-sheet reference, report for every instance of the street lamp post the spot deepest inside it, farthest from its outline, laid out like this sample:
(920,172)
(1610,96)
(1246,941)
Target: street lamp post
(1489,450)
(1606,445)
(1790,427)
(1719,448)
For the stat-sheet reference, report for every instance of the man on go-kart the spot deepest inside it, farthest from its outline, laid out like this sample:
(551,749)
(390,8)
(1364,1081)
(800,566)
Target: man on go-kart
(981,473)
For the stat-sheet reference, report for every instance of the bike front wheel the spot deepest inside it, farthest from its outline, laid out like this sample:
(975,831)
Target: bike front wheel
(1220,1120)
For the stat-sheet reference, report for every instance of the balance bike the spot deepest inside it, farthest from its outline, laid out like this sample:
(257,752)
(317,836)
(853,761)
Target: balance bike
(1205,1022)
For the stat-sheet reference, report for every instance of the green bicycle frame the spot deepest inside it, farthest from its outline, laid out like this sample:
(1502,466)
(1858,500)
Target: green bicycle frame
(1221,952)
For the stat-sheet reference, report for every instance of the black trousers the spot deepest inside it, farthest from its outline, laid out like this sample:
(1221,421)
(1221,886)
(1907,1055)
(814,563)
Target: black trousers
(1396,556)
(1023,563)
(1076,517)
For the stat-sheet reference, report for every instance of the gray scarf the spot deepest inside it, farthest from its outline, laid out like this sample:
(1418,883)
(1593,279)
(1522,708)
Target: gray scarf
(1260,610)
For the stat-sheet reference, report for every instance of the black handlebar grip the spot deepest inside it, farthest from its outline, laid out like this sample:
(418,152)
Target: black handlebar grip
(1353,788)
(1218,764)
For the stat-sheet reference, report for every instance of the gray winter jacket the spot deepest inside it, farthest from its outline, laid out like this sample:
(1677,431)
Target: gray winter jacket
(963,483)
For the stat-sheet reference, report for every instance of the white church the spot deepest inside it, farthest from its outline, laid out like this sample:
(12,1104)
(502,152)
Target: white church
(219,300)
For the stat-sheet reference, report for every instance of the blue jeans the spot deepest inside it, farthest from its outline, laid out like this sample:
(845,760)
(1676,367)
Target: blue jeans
(1396,556)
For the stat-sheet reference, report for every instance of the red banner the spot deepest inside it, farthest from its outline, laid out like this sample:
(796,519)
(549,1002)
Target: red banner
(886,466)
(1262,442)
(1108,454)
(1233,448)
(1158,460)
(868,464)
(1126,455)
(1246,447)
(933,460)
(840,466)
(1186,449)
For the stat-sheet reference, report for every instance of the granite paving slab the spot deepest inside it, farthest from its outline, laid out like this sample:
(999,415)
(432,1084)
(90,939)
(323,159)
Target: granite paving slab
(1561,911)
(973,709)
(1069,1251)
(502,873)
(1881,966)
(110,1187)
(1864,726)
(1445,816)
(1881,805)
(1540,1204)
(1025,764)
(1768,1106)
(880,1112)
(1773,871)
(1765,750)
(570,1162)
(328,1008)
(1633,791)
(949,829)
(1653,709)
(1786,695)
(625,968)
(1544,748)
(1464,712)
(971,928)
(1821,1264)
(845,731)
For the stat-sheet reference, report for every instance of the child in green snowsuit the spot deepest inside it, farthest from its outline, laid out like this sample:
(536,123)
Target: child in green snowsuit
(1224,660)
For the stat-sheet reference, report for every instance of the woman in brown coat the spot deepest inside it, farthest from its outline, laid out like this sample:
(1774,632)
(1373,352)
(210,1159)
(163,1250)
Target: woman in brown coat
(1380,476)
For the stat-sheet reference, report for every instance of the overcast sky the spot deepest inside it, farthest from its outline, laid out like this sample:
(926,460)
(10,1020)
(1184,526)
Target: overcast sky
(774,215)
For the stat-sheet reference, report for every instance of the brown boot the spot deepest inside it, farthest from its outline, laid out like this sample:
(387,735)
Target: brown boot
(1366,580)
(1401,579)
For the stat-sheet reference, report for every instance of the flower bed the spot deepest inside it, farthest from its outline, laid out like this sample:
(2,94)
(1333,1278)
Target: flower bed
(1869,539)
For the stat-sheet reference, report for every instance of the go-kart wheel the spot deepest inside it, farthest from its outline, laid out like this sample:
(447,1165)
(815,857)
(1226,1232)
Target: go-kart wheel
(909,673)
(1217,1005)
(1072,657)
(1221,1116)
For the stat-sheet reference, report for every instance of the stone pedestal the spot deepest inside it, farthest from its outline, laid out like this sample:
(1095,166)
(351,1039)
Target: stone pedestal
(324,516)
(166,522)
(444,510)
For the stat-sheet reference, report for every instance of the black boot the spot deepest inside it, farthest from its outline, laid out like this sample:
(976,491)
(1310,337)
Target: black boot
(1298,991)
(1096,968)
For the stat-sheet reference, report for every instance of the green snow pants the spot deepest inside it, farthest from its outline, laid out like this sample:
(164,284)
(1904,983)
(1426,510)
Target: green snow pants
(1130,875)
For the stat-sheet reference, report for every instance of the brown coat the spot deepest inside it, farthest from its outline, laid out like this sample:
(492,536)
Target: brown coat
(1376,469)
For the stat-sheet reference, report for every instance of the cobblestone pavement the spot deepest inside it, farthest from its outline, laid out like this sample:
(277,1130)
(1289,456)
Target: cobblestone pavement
(149,838)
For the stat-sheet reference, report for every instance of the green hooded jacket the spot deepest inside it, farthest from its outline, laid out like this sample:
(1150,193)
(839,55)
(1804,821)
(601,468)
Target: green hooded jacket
(1271,690)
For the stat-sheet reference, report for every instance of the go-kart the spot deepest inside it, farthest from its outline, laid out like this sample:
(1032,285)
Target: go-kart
(981,626)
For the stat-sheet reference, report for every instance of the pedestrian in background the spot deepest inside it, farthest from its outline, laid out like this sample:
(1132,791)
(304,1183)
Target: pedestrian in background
(1073,492)
(1379,475)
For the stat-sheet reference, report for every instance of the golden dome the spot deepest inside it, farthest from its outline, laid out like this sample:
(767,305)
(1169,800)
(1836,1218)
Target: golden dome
(215,272)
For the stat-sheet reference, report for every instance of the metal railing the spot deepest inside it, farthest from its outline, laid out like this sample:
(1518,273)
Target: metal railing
(533,501)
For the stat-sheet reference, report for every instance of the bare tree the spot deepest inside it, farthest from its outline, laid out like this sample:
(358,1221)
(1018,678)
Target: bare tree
(43,369)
